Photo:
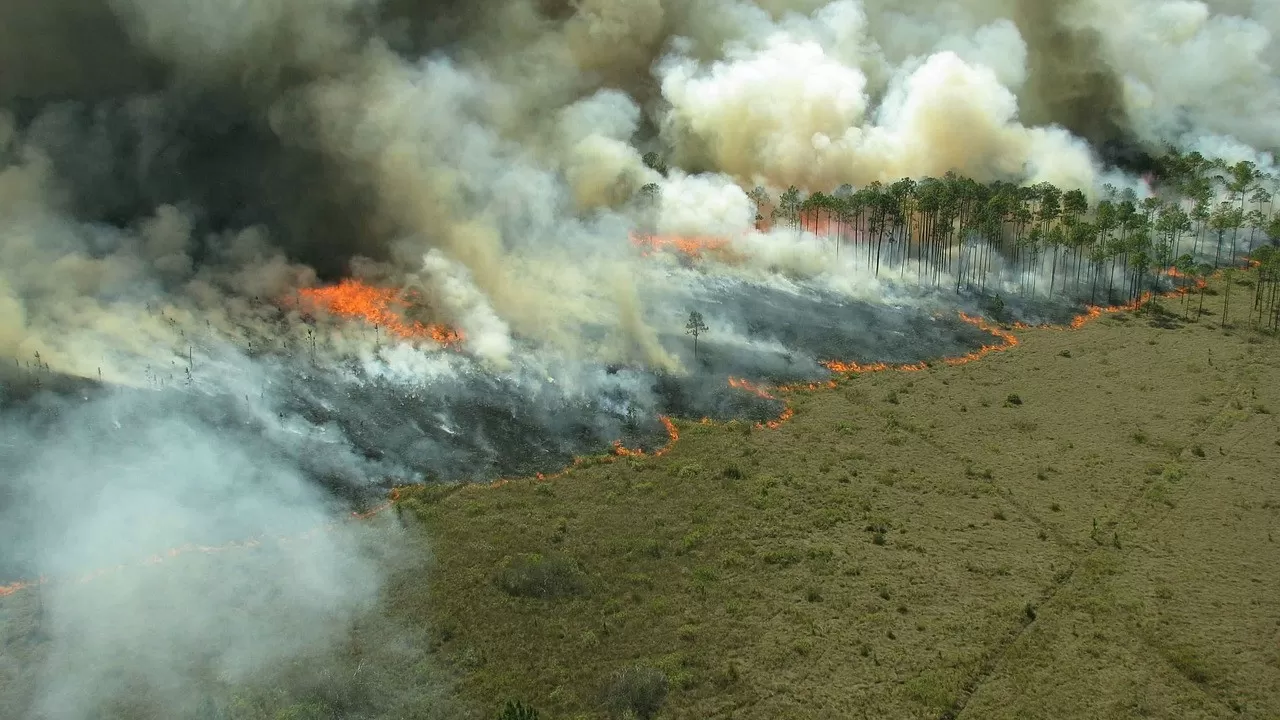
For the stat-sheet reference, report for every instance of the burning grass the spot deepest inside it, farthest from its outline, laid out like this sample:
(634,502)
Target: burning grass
(693,248)
(383,308)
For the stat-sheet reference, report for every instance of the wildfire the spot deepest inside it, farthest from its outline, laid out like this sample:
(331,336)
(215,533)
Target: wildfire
(618,451)
(796,387)
(351,298)
(787,413)
(381,307)
(693,247)
(747,385)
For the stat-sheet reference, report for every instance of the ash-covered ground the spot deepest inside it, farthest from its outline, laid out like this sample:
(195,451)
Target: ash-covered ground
(463,422)
(439,414)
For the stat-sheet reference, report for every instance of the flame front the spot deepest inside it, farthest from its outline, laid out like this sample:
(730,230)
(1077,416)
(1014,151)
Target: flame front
(747,385)
(381,307)
(692,247)
(376,305)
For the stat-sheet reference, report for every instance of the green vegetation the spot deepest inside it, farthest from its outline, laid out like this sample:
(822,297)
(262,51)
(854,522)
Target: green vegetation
(1207,212)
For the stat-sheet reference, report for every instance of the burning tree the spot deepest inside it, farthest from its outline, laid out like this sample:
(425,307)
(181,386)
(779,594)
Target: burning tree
(695,327)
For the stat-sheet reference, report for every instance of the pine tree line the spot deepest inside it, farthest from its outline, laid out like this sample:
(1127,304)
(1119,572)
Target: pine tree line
(1203,213)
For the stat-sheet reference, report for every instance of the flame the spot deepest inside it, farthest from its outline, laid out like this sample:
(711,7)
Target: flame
(693,247)
(382,307)
(1183,289)
(787,413)
(747,385)
(618,451)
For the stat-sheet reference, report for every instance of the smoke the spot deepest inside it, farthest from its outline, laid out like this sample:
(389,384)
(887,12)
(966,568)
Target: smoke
(124,475)
(174,174)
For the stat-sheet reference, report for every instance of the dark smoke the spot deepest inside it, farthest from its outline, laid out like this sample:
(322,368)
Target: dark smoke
(1069,82)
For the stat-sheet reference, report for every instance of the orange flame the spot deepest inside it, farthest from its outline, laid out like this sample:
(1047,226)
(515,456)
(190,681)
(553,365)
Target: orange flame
(787,413)
(747,385)
(693,247)
(618,451)
(382,307)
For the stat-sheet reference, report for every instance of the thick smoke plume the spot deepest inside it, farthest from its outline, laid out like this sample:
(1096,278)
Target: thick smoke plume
(175,175)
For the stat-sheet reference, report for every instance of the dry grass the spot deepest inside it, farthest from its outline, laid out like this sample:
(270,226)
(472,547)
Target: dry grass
(912,546)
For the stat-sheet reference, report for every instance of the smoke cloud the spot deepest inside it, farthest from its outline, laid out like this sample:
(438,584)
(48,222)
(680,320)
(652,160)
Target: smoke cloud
(175,175)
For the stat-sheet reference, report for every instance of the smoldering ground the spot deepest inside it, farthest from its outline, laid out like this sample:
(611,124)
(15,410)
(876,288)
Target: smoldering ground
(169,171)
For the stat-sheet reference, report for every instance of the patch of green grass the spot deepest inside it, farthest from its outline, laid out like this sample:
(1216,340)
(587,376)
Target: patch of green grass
(932,691)
(545,576)
(636,692)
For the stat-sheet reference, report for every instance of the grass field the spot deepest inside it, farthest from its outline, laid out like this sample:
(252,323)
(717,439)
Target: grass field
(1082,527)
(910,545)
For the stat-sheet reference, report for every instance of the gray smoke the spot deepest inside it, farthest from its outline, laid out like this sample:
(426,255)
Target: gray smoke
(187,541)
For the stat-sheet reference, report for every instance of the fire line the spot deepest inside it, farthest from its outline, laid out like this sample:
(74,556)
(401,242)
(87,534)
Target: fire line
(351,298)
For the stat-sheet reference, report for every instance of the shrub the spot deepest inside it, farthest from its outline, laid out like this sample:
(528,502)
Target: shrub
(546,576)
(516,710)
(1065,354)
(636,690)
(1013,399)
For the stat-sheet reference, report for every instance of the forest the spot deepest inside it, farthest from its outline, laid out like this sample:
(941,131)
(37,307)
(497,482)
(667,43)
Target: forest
(1201,215)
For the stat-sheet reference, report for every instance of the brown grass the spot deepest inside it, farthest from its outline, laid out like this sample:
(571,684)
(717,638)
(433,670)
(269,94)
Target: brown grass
(948,554)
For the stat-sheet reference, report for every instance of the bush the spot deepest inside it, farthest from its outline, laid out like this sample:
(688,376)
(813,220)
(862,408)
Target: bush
(1013,399)
(547,577)
(636,690)
(516,710)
